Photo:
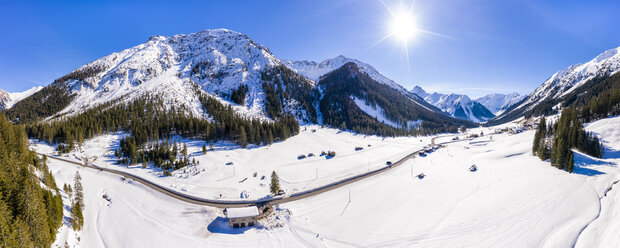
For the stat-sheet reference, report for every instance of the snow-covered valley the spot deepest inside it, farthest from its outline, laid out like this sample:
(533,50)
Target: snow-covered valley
(512,200)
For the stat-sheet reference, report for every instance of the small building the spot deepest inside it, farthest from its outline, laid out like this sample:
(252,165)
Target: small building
(242,217)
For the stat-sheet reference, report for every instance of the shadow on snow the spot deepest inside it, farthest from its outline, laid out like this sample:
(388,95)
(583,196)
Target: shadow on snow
(584,164)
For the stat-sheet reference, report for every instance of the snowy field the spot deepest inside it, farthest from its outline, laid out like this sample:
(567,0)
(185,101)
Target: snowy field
(512,200)
(212,176)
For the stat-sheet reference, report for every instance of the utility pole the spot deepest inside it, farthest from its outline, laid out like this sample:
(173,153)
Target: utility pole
(349,195)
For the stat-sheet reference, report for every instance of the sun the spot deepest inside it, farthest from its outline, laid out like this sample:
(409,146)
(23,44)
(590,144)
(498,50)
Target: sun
(403,26)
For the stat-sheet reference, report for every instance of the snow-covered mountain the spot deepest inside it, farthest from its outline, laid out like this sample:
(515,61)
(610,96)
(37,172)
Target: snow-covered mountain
(498,103)
(7,100)
(218,61)
(563,83)
(314,71)
(456,105)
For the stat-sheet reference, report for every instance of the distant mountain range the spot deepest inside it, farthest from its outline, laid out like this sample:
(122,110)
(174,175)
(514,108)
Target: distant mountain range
(498,103)
(462,107)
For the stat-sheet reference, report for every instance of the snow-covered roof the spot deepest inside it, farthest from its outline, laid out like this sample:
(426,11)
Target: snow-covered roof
(241,212)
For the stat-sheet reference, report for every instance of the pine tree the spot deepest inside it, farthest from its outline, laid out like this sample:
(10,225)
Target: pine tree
(543,151)
(274,186)
(243,140)
(540,134)
(77,205)
(7,233)
(204,149)
(79,190)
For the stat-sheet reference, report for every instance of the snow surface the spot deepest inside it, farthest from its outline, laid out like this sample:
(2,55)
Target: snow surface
(213,178)
(513,200)
(241,212)
(603,232)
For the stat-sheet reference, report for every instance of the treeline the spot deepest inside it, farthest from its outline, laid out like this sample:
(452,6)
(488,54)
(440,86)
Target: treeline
(556,141)
(283,86)
(340,111)
(149,119)
(29,213)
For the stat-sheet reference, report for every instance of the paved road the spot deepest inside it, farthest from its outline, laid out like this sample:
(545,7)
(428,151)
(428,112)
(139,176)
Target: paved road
(243,203)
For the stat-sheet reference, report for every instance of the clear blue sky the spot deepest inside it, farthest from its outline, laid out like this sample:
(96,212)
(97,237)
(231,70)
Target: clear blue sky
(485,45)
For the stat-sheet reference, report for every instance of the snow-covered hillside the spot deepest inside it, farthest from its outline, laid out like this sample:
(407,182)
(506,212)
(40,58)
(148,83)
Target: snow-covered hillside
(7,100)
(314,70)
(567,80)
(456,105)
(498,103)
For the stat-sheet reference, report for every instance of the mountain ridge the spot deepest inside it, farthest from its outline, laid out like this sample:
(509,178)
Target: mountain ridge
(455,105)
(562,84)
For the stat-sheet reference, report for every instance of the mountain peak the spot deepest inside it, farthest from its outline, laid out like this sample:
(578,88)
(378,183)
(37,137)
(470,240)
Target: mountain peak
(497,103)
(314,71)
(419,91)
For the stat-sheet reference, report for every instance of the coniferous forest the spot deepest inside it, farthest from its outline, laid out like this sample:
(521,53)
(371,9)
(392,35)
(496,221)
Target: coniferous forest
(151,125)
(30,214)
(556,141)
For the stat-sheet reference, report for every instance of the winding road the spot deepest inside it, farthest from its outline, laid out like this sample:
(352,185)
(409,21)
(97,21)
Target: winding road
(243,203)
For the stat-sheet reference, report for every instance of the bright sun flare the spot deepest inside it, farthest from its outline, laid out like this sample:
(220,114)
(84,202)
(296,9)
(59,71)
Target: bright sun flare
(404,26)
